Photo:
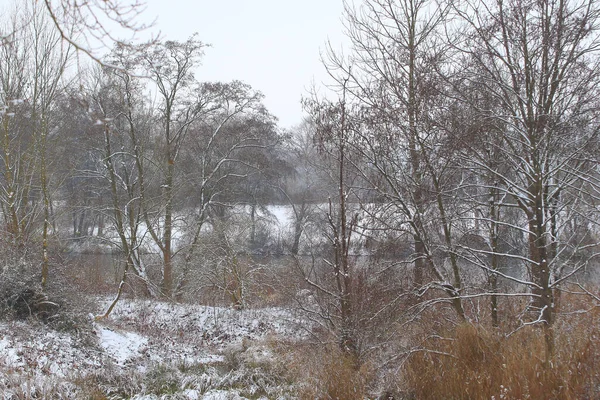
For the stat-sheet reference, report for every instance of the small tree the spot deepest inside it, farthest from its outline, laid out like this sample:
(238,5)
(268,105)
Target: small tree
(333,131)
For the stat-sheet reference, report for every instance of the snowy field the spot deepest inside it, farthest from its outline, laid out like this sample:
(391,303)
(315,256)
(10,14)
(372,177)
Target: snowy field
(150,350)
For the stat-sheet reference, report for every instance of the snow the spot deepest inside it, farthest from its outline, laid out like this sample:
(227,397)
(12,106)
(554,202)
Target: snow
(221,395)
(121,346)
(283,215)
(214,325)
(191,394)
(196,395)
(206,351)
(36,362)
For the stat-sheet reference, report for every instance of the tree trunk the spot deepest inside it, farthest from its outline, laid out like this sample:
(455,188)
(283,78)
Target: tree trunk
(46,197)
(167,286)
(540,272)
(253,225)
(493,279)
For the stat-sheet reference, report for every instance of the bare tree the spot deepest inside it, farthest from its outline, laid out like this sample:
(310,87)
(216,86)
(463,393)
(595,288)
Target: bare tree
(305,186)
(393,79)
(333,131)
(119,109)
(90,24)
(32,78)
(225,150)
(539,61)
(170,66)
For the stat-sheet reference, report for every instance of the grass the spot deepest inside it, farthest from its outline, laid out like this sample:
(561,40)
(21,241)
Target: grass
(474,362)
(324,372)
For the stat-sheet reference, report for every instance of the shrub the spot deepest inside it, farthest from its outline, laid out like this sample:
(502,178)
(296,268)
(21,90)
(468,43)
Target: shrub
(21,295)
(475,363)
(325,372)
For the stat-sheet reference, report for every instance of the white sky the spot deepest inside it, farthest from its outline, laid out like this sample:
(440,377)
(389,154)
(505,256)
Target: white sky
(273,45)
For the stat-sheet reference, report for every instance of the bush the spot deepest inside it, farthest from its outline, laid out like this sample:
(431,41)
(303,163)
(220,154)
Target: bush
(61,305)
(21,295)
(325,372)
(474,363)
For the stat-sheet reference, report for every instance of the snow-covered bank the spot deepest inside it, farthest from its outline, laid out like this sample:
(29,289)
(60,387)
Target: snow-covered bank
(148,350)
(208,325)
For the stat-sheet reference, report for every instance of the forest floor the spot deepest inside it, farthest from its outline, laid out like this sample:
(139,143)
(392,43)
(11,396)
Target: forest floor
(151,350)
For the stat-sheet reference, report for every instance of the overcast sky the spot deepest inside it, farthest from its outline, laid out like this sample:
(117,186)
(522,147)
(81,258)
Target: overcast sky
(274,45)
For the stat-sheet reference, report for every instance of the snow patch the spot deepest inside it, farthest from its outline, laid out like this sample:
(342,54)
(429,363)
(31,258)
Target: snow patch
(122,347)
(222,395)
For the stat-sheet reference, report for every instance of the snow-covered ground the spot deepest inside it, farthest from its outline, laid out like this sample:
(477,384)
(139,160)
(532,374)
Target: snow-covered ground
(209,325)
(149,350)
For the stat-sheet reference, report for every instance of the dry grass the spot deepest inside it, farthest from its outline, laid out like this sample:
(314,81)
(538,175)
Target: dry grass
(475,363)
(325,372)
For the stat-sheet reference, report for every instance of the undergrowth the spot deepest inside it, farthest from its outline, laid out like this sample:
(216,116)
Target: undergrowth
(474,362)
(324,372)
